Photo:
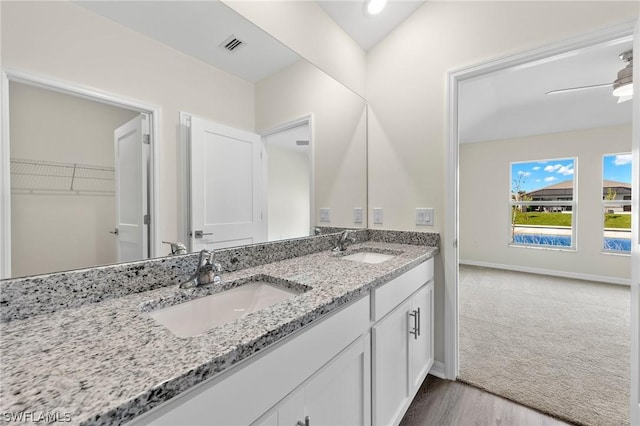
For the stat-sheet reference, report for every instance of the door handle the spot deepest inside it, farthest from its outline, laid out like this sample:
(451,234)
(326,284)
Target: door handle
(200,234)
(115,231)
(416,326)
(306,422)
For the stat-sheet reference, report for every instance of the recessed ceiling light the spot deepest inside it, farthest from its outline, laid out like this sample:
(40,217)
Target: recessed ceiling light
(375,6)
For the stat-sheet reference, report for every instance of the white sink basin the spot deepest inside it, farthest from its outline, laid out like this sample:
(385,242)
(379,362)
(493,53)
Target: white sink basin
(368,257)
(199,315)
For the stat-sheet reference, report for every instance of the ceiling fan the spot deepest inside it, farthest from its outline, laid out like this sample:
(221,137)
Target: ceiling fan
(622,86)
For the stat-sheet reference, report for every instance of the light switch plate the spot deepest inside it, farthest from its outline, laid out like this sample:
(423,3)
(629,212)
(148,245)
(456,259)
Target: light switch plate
(377,216)
(325,215)
(424,216)
(357,215)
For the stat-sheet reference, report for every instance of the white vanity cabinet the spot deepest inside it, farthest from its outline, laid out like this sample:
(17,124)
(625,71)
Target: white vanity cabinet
(338,394)
(402,343)
(361,365)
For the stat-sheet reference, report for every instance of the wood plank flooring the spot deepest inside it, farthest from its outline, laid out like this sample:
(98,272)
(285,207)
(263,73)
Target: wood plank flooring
(448,403)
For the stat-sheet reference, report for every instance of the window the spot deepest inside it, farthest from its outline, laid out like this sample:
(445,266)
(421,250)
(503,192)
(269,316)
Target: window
(616,203)
(542,203)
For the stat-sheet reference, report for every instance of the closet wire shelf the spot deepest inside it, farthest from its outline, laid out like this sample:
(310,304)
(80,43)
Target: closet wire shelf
(39,176)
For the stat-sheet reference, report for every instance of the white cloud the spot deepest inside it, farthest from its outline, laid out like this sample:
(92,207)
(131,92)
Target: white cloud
(559,168)
(566,170)
(537,180)
(622,159)
(550,179)
(536,168)
(525,174)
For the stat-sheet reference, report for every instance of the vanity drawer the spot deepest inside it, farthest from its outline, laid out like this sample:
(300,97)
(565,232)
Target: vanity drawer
(386,297)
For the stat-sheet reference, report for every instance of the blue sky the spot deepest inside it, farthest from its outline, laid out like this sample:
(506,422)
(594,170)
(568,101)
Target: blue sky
(538,174)
(617,167)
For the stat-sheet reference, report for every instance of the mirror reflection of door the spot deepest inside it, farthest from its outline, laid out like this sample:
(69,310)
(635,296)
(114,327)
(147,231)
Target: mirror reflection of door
(225,186)
(131,189)
(62,180)
(288,188)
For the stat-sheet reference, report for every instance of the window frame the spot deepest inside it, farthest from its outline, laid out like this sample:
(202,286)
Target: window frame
(607,203)
(573,203)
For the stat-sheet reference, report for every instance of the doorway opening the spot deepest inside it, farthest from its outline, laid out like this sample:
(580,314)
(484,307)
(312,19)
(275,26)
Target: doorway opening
(288,181)
(77,178)
(495,214)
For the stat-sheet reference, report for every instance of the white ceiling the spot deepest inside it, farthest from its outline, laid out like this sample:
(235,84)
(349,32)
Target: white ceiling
(505,104)
(197,28)
(368,30)
(512,103)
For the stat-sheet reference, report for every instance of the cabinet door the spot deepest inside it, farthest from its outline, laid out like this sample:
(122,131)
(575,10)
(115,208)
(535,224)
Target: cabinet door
(340,394)
(390,366)
(421,344)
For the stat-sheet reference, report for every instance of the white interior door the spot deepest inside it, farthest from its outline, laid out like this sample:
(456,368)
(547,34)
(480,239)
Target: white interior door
(226,186)
(131,162)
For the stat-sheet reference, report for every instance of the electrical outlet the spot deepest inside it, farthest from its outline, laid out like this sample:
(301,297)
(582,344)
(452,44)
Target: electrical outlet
(377,216)
(424,217)
(357,215)
(325,215)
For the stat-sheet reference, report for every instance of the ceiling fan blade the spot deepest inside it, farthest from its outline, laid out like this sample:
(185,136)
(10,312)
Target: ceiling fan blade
(574,89)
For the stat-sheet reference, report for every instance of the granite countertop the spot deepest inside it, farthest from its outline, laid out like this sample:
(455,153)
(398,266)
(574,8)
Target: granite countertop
(107,362)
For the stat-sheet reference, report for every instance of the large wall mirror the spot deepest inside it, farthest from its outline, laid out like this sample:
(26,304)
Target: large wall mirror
(213,78)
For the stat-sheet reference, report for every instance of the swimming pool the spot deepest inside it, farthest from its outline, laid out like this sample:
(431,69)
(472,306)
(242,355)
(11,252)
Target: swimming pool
(609,244)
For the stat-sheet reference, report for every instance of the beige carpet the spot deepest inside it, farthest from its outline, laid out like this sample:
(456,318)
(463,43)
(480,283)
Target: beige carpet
(558,345)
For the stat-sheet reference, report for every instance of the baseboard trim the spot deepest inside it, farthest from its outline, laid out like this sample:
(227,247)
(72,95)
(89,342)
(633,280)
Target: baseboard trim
(539,271)
(437,369)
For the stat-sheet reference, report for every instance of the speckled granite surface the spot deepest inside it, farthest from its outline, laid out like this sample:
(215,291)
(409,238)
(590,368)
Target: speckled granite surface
(100,363)
(25,297)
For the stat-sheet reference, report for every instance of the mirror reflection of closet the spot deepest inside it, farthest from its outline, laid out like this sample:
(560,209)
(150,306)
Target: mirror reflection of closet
(63,180)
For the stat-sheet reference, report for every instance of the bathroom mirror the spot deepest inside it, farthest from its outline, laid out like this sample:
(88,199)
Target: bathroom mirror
(205,60)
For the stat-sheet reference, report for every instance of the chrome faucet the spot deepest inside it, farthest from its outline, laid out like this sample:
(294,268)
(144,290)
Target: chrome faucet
(176,248)
(208,271)
(343,241)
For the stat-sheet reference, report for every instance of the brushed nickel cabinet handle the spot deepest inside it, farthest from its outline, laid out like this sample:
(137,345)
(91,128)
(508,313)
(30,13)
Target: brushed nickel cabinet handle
(416,331)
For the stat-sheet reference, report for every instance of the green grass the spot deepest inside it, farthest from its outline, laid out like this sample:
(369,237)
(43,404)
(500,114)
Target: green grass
(543,218)
(613,220)
(617,221)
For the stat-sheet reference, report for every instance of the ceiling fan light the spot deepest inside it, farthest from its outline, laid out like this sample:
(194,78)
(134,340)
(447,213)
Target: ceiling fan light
(623,86)
(375,6)
(624,90)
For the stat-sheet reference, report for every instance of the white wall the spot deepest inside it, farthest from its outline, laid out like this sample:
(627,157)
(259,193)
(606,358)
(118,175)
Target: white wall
(288,193)
(63,41)
(70,231)
(485,184)
(406,88)
(306,29)
(338,134)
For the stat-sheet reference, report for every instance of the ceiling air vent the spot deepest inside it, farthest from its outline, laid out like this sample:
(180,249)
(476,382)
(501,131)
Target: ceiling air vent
(231,43)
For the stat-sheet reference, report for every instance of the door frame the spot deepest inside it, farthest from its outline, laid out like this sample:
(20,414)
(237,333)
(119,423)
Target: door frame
(451,233)
(305,119)
(635,235)
(92,94)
